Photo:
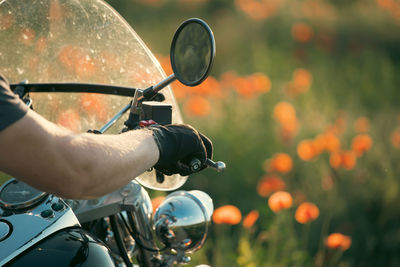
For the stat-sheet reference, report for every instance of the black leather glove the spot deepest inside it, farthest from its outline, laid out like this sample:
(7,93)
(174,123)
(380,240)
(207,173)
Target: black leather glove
(179,144)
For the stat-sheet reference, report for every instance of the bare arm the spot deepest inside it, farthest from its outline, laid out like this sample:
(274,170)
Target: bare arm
(70,165)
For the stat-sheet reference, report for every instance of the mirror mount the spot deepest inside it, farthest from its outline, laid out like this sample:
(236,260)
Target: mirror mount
(150,92)
(192,54)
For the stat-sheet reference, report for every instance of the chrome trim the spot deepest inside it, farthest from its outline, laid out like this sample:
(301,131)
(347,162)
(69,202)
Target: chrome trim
(182,220)
(21,205)
(89,210)
(5,230)
(140,208)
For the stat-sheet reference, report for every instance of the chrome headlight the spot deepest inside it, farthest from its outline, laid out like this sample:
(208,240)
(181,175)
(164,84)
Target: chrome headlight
(181,221)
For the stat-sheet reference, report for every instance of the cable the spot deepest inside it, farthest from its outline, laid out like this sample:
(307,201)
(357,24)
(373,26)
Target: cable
(119,241)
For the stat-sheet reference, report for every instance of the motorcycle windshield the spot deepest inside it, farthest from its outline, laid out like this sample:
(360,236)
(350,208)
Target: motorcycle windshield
(81,41)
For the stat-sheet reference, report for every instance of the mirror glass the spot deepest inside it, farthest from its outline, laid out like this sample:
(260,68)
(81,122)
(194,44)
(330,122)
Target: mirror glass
(192,52)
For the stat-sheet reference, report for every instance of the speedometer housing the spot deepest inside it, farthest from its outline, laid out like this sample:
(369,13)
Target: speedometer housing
(16,195)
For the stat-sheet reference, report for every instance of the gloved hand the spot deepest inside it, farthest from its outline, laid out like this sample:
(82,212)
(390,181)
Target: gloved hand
(179,144)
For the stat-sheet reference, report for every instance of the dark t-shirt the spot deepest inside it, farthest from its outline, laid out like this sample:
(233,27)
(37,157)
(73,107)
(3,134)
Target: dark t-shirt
(11,107)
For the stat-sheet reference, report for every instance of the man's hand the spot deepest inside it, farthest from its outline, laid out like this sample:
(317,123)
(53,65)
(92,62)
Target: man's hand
(179,144)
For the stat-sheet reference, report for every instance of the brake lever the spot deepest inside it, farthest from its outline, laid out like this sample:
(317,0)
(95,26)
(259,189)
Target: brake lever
(219,166)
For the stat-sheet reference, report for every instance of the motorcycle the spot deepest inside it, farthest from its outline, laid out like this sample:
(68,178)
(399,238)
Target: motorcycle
(84,60)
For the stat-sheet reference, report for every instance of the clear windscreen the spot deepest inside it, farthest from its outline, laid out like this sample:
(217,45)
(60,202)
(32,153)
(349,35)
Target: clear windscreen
(83,41)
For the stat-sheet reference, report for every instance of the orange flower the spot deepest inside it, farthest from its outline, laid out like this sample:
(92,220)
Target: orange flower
(349,160)
(341,121)
(288,132)
(361,143)
(290,126)
(227,214)
(69,119)
(156,202)
(270,183)
(261,82)
(180,90)
(280,200)
(210,86)
(345,159)
(338,241)
(250,219)
(306,150)
(362,125)
(302,80)
(244,87)
(386,4)
(329,141)
(165,63)
(300,83)
(226,80)
(284,113)
(335,160)
(256,9)
(395,138)
(197,106)
(301,32)
(27,36)
(306,212)
(281,162)
(248,86)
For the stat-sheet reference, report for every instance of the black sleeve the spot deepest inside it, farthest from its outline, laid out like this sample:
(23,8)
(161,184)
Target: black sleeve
(11,107)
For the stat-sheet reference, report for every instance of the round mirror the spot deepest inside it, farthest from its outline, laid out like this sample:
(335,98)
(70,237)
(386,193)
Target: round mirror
(192,52)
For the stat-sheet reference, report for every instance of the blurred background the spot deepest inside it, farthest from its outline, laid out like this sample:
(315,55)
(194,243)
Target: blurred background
(302,105)
(303,98)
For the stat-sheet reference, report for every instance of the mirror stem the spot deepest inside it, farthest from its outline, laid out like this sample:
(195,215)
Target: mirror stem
(162,84)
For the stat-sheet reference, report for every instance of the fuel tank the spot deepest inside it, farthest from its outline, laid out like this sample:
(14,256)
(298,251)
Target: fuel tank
(68,247)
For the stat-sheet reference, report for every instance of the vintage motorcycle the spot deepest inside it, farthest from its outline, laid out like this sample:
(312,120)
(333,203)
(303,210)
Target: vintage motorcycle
(80,62)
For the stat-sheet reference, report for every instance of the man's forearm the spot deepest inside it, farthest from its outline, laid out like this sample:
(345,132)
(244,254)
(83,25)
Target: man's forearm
(109,161)
(73,165)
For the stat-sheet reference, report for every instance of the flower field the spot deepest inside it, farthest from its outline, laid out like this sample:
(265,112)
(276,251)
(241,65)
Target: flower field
(303,106)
